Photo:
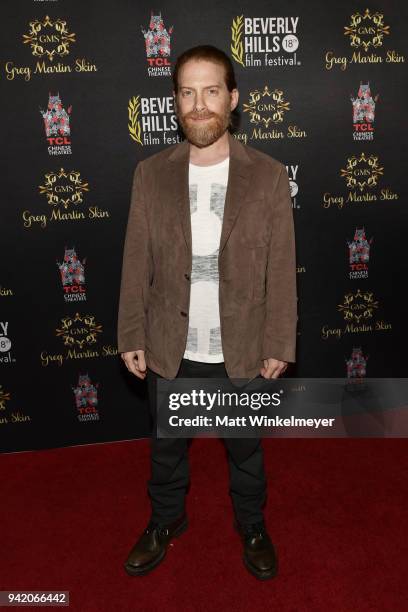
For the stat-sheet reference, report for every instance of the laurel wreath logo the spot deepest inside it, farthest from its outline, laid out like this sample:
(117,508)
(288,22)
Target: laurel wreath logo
(135,130)
(237,49)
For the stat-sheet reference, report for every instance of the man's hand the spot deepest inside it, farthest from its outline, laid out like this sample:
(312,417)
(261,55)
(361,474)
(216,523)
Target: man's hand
(273,368)
(135,363)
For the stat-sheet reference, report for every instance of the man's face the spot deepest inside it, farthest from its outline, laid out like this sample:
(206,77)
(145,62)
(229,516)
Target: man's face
(203,102)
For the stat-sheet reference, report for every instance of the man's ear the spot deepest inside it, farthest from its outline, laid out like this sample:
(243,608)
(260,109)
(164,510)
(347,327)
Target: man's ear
(234,98)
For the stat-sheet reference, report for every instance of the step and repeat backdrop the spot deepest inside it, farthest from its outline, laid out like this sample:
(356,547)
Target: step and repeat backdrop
(87,93)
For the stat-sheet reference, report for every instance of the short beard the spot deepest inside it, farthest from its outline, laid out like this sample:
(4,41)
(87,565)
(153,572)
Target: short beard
(207,134)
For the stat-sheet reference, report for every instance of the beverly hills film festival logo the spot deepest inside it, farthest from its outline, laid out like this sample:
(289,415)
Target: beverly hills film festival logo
(5,415)
(366,33)
(50,43)
(359,254)
(363,113)
(266,111)
(265,41)
(65,193)
(362,175)
(158,46)
(358,309)
(86,399)
(292,170)
(57,126)
(72,274)
(5,344)
(152,120)
(80,335)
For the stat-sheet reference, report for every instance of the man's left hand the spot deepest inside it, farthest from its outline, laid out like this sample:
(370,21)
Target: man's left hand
(273,368)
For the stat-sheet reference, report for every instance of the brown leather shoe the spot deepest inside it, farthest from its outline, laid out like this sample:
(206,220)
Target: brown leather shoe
(259,553)
(151,547)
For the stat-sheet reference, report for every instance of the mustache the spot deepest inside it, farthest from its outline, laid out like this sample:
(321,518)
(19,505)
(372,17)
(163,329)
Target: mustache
(195,115)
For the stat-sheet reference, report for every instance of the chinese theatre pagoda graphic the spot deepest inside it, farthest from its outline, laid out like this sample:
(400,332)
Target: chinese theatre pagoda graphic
(356,364)
(86,399)
(56,118)
(157,38)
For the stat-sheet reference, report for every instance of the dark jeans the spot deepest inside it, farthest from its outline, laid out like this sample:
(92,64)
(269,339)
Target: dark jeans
(169,461)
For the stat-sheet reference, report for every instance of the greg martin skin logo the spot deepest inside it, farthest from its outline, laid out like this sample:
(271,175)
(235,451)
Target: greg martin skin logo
(86,398)
(152,120)
(362,174)
(50,42)
(6,416)
(366,33)
(72,273)
(65,192)
(266,112)
(6,292)
(358,309)
(265,41)
(80,336)
(57,126)
(158,46)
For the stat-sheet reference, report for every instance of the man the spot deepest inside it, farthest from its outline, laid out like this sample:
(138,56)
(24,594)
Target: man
(208,290)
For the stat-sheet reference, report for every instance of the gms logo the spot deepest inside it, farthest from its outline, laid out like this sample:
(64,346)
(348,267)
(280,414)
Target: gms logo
(5,344)
(363,113)
(49,40)
(86,398)
(72,272)
(80,335)
(57,129)
(359,254)
(362,173)
(157,41)
(152,121)
(64,191)
(13,417)
(358,308)
(356,364)
(267,112)
(259,41)
(366,32)
(292,171)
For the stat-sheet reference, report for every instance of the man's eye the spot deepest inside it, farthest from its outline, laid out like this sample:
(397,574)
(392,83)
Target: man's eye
(186,93)
(213,91)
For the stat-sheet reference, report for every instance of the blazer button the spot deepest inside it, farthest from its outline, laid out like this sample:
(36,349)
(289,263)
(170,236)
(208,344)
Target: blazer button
(183,314)
(187,277)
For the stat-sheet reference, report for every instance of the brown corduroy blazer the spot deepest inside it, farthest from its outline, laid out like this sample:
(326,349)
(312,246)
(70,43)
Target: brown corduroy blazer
(256,262)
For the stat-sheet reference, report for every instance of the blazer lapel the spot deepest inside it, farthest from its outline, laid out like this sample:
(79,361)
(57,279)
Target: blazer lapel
(238,183)
(178,187)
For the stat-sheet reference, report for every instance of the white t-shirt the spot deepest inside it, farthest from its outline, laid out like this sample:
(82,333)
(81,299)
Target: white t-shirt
(208,185)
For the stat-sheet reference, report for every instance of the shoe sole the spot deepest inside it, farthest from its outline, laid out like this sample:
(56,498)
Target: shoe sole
(260,574)
(145,569)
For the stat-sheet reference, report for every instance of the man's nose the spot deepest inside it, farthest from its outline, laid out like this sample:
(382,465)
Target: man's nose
(199,103)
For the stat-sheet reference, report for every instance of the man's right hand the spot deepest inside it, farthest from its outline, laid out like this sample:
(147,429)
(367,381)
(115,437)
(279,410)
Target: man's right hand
(135,363)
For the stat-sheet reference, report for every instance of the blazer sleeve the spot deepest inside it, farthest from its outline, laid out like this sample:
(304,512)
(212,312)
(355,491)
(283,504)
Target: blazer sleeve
(279,340)
(131,315)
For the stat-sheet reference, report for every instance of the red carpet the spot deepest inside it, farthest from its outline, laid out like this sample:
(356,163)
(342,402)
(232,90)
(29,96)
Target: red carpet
(337,511)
